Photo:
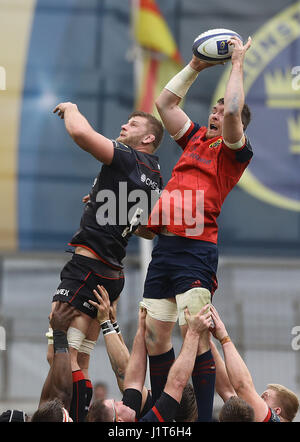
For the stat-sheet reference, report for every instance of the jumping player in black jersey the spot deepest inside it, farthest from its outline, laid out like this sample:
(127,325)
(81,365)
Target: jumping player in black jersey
(121,199)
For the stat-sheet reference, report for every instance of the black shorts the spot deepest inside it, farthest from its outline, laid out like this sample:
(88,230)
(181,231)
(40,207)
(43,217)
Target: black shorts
(179,264)
(80,276)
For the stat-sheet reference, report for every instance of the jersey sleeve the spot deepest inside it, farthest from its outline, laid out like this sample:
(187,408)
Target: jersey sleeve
(164,410)
(123,158)
(242,155)
(183,141)
(232,163)
(133,399)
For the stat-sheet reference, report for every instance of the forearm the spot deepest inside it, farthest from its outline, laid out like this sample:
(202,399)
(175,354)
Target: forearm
(238,373)
(119,357)
(182,368)
(234,95)
(76,124)
(136,369)
(223,385)
(61,380)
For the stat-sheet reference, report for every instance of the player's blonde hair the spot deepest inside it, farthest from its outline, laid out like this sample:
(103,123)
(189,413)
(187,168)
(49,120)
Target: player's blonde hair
(287,401)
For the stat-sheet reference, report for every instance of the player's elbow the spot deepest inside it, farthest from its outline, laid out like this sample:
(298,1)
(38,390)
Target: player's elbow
(79,136)
(243,388)
(166,100)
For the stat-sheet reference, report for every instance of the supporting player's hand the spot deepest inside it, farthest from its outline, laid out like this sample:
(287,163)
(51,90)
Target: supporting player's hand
(113,311)
(142,319)
(199,322)
(86,198)
(62,316)
(103,304)
(218,330)
(61,108)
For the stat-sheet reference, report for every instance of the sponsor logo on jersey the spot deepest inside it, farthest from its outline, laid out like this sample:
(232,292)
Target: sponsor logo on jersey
(62,292)
(150,183)
(216,143)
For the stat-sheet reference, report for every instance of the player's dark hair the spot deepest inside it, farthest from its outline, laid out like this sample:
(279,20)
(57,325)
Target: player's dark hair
(236,410)
(187,410)
(50,411)
(98,412)
(155,126)
(246,113)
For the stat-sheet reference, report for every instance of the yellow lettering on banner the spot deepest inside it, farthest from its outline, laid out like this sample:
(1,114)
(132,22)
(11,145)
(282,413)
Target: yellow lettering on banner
(274,36)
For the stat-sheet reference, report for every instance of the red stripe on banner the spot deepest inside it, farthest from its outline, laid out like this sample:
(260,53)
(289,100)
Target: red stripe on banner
(149,87)
(150,5)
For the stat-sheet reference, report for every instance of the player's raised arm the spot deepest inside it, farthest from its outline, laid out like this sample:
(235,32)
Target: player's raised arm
(234,98)
(83,134)
(174,118)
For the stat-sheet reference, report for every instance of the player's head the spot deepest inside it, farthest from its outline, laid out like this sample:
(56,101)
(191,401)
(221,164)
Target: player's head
(14,416)
(215,119)
(187,410)
(142,129)
(282,400)
(235,409)
(51,411)
(110,411)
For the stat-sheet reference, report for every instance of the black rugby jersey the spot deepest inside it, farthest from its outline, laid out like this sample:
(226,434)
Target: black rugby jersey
(121,198)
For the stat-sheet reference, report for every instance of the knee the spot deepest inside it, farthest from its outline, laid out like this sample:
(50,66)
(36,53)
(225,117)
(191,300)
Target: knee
(158,340)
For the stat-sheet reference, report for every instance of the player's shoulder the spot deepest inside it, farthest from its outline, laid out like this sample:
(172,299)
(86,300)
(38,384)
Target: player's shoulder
(121,146)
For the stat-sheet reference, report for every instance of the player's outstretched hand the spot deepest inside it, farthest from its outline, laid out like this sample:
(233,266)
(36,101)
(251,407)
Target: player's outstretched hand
(62,107)
(239,50)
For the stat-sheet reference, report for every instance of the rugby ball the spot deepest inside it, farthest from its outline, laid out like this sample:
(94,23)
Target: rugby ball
(212,46)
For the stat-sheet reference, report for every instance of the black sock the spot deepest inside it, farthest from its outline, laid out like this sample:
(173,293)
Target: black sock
(204,377)
(159,366)
(88,394)
(78,403)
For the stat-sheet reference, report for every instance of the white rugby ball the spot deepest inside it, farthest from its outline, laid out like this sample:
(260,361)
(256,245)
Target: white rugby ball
(212,46)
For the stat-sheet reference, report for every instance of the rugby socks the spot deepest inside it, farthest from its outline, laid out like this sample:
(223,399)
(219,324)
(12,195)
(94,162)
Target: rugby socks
(82,394)
(204,377)
(88,394)
(159,366)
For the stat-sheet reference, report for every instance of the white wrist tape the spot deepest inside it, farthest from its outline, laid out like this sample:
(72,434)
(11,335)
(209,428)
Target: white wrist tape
(75,337)
(182,131)
(87,346)
(182,81)
(236,145)
(49,335)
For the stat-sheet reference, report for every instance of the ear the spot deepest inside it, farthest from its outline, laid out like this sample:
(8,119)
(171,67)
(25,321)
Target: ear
(277,410)
(148,139)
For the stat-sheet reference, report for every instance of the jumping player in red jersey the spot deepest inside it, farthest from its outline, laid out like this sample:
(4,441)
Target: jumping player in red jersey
(182,272)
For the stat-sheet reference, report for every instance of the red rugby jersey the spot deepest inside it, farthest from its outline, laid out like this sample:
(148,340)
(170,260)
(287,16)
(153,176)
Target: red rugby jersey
(202,178)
